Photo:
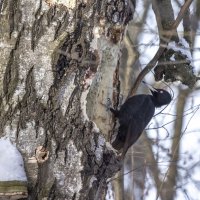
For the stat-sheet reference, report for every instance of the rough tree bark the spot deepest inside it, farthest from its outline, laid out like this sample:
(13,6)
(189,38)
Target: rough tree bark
(59,64)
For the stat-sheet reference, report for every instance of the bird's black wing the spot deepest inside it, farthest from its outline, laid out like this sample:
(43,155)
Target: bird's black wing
(126,114)
(132,107)
(138,123)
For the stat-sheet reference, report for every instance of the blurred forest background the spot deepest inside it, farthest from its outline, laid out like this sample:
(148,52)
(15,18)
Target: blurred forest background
(165,162)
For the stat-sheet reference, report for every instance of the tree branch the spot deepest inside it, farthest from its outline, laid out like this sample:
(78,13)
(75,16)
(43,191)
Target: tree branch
(160,50)
(151,159)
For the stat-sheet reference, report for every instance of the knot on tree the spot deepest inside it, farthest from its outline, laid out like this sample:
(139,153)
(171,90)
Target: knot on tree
(120,12)
(175,65)
(41,154)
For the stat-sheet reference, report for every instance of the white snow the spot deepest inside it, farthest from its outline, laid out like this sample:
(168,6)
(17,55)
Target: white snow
(172,58)
(110,193)
(11,162)
(183,47)
(99,148)
(95,128)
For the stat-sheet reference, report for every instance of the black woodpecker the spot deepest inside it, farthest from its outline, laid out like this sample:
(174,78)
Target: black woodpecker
(135,114)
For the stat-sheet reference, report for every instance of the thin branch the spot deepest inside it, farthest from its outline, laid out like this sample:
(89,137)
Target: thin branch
(150,158)
(158,18)
(172,170)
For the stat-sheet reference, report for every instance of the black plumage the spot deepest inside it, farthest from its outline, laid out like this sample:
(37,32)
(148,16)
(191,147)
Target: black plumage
(135,114)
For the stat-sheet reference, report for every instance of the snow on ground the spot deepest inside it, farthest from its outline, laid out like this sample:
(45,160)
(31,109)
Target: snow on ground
(11,162)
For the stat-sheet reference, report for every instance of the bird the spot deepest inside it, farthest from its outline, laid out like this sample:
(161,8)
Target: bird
(135,114)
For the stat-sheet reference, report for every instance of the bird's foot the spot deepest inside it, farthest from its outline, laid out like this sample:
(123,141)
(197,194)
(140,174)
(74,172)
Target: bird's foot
(109,147)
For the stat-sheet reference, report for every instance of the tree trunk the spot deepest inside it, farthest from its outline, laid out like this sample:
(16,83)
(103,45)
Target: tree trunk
(59,65)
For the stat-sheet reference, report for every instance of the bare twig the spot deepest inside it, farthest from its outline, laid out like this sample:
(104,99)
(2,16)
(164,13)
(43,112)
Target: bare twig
(178,134)
(160,50)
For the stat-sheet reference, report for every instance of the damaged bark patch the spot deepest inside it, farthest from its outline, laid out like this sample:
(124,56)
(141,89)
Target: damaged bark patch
(41,154)
(119,11)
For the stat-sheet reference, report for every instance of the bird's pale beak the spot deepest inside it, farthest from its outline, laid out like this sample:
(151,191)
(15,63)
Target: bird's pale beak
(151,88)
